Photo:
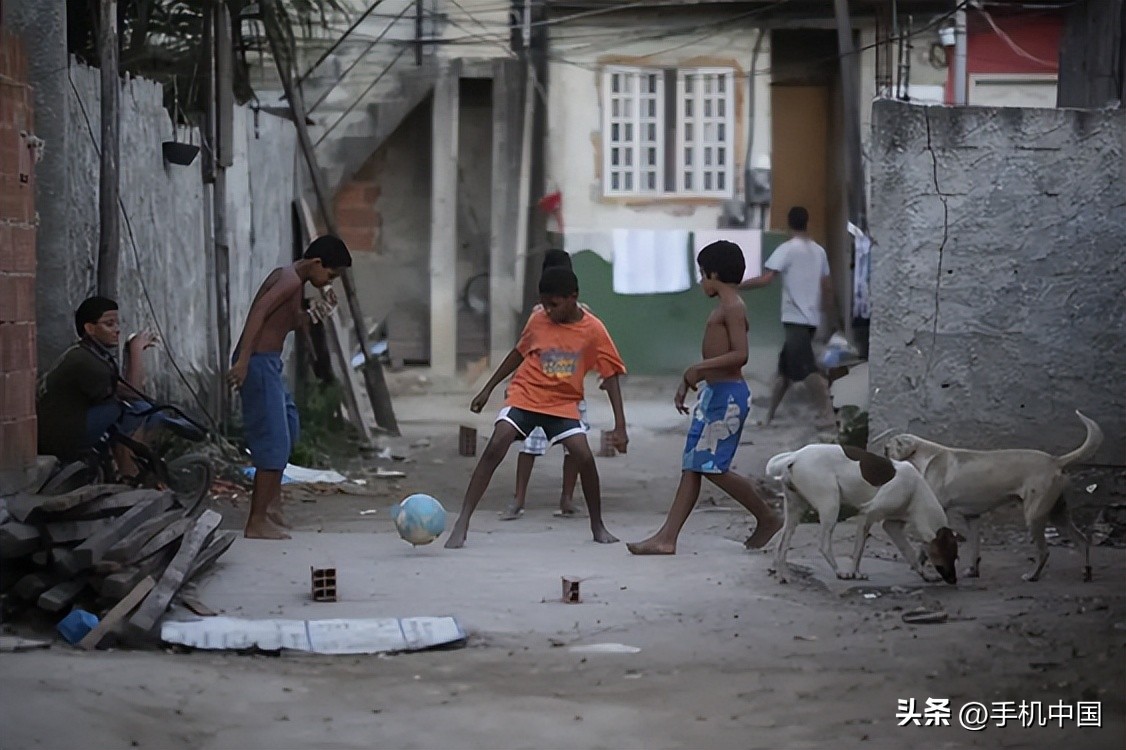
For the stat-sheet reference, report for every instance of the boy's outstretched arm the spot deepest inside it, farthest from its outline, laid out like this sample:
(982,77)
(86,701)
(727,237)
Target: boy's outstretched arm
(506,368)
(759,281)
(618,435)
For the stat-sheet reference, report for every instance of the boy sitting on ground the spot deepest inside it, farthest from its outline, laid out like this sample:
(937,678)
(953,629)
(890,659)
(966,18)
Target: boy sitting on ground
(721,408)
(559,345)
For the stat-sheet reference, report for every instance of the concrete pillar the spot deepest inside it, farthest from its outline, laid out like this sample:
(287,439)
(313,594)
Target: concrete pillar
(41,24)
(505,303)
(443,223)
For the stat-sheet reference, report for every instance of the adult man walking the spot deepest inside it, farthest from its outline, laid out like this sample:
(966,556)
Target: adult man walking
(807,291)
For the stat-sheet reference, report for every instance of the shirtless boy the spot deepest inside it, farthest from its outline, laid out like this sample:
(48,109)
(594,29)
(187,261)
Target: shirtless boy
(721,407)
(269,416)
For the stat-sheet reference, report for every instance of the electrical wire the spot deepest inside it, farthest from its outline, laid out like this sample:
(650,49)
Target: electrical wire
(1008,40)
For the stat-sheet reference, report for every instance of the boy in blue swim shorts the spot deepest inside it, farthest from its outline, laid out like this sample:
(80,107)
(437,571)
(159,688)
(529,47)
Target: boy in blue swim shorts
(269,415)
(721,407)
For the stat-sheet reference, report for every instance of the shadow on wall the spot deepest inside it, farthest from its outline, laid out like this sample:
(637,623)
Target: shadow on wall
(660,334)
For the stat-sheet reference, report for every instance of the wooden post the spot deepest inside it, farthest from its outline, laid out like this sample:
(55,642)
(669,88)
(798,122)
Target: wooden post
(373,371)
(109,223)
(443,221)
(854,166)
(221,104)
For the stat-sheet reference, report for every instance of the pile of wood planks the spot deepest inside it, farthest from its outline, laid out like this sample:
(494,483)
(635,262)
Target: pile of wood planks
(109,549)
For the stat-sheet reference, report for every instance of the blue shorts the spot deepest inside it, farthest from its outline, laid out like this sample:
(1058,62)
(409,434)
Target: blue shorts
(269,416)
(717,424)
(124,415)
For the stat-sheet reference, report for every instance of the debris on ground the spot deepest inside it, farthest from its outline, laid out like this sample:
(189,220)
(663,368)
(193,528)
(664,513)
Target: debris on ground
(94,547)
(1109,528)
(293,474)
(922,616)
(356,636)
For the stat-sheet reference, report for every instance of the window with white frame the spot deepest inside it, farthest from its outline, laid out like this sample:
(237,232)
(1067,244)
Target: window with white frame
(668,132)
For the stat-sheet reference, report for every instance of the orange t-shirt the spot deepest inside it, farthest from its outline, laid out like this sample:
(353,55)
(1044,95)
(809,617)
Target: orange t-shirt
(556,358)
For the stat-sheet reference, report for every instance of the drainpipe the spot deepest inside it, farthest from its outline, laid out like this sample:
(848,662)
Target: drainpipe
(960,58)
(748,158)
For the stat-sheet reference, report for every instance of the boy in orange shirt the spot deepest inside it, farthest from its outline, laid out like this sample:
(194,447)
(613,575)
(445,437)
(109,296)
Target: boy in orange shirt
(560,344)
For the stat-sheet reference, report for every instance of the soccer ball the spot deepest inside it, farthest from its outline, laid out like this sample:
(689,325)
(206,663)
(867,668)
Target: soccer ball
(420,519)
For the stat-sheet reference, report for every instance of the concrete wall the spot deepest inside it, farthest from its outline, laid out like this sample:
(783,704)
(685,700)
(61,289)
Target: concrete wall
(17,266)
(999,284)
(166,265)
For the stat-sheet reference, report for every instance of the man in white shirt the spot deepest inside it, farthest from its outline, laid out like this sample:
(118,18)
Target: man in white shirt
(806,290)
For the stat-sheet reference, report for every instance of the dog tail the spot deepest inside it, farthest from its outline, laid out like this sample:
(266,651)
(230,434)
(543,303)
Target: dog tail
(1090,444)
(778,464)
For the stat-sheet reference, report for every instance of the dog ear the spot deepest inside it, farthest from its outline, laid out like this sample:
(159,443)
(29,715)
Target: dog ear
(905,446)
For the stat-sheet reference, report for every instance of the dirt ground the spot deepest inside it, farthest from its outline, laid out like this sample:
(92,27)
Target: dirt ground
(728,657)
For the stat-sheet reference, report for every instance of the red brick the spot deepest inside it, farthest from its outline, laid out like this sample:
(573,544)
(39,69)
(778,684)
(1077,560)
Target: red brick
(17,298)
(17,401)
(17,249)
(18,443)
(17,347)
(17,200)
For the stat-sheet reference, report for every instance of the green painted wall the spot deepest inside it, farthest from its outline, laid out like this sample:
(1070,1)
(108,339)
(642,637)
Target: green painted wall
(660,333)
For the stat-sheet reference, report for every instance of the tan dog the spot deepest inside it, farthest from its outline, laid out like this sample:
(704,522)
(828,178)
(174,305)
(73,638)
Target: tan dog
(969,483)
(893,493)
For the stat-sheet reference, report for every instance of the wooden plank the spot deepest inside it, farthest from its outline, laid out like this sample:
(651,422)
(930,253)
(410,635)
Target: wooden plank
(220,544)
(31,586)
(27,507)
(113,587)
(169,535)
(76,531)
(62,595)
(175,575)
(18,539)
(110,505)
(116,615)
(131,545)
(90,551)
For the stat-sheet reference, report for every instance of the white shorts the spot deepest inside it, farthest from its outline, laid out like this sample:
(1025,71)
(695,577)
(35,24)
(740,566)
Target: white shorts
(536,444)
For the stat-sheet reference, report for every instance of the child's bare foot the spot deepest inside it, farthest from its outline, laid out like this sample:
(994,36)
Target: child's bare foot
(274,513)
(511,513)
(651,546)
(602,536)
(263,528)
(456,539)
(764,532)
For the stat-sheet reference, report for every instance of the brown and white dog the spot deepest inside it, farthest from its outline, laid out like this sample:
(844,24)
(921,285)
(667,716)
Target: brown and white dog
(969,483)
(893,493)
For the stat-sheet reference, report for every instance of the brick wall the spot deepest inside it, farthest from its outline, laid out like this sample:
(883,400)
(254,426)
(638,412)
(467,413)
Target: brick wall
(17,262)
(356,213)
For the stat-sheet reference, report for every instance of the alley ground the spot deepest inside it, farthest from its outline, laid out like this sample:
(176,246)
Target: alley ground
(728,657)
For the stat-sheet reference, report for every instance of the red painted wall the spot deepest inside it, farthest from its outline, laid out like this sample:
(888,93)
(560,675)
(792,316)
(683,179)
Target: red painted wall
(1036,32)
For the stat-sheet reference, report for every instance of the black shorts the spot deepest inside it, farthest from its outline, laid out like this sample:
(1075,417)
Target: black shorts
(796,361)
(557,429)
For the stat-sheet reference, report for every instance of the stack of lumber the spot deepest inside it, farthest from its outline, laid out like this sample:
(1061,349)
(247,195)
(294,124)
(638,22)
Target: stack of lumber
(104,548)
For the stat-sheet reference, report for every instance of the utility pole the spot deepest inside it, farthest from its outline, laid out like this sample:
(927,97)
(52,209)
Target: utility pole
(854,166)
(530,41)
(220,128)
(960,57)
(109,223)
(374,378)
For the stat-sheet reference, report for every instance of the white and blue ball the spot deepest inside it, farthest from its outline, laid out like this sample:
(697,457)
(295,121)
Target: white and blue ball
(420,519)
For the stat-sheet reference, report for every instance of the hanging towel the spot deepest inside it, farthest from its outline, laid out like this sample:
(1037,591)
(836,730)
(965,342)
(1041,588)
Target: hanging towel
(596,241)
(861,302)
(748,240)
(648,261)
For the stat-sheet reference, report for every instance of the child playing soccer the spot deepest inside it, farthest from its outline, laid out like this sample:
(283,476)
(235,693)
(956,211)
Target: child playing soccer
(536,444)
(559,345)
(721,408)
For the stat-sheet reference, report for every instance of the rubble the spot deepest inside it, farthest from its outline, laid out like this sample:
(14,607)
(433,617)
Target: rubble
(106,549)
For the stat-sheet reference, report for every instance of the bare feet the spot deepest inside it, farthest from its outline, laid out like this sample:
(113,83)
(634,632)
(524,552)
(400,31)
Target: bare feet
(263,528)
(456,539)
(274,513)
(764,532)
(651,546)
(602,536)
(511,513)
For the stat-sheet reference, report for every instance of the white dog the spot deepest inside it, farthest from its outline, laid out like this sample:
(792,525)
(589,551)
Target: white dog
(969,483)
(825,477)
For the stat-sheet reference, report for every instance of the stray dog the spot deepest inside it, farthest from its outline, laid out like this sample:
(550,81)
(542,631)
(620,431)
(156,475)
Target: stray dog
(969,483)
(825,477)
